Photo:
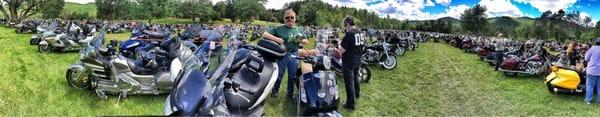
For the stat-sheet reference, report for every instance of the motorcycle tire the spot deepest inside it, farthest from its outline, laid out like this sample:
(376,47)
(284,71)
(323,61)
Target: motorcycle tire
(390,62)
(511,74)
(364,73)
(411,47)
(44,48)
(75,82)
(400,51)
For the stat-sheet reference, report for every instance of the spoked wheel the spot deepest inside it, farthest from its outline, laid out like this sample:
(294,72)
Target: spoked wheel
(411,47)
(389,62)
(77,78)
(400,51)
(364,73)
(44,48)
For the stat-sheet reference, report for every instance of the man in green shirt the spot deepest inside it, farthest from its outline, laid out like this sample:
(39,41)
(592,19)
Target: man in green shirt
(290,35)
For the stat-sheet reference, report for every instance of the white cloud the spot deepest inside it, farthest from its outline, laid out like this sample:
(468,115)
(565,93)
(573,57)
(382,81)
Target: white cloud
(429,3)
(454,11)
(552,5)
(443,2)
(497,8)
(582,16)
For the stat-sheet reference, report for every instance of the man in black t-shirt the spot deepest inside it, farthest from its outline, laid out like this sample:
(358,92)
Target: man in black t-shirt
(351,50)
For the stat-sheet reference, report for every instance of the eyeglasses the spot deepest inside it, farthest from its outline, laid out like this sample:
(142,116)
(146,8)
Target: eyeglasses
(289,17)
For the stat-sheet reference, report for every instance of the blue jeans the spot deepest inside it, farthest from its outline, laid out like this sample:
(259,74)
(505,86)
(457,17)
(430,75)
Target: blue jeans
(291,64)
(591,83)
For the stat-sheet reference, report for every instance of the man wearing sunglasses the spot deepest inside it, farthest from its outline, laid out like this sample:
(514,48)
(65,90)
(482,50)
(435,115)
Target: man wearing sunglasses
(290,35)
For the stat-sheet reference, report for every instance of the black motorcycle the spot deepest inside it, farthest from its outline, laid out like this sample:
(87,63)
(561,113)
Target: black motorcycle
(380,53)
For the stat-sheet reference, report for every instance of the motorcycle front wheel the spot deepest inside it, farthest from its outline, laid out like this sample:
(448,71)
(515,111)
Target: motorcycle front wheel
(389,62)
(44,48)
(400,51)
(77,78)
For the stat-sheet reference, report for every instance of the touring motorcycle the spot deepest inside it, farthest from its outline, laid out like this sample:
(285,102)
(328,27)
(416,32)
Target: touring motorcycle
(238,87)
(66,41)
(104,71)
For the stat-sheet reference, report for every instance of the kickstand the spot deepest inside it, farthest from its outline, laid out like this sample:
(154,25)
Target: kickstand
(123,94)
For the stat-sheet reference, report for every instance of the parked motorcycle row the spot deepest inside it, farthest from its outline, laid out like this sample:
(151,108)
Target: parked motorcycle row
(562,64)
(179,59)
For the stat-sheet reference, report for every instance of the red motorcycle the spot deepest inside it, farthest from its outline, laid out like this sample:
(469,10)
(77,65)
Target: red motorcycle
(534,65)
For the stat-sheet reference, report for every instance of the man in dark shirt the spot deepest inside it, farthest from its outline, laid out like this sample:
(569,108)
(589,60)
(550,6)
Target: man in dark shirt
(351,53)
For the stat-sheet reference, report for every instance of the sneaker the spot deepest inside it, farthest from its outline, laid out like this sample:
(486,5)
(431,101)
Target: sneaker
(588,103)
(274,95)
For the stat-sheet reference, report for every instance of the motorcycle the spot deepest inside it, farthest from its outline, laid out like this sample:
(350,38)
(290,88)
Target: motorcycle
(65,41)
(534,65)
(142,39)
(319,94)
(104,71)
(25,27)
(399,46)
(379,52)
(44,31)
(363,73)
(468,46)
(238,87)
(565,80)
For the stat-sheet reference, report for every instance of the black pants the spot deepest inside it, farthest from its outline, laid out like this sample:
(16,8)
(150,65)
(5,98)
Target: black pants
(349,69)
(499,58)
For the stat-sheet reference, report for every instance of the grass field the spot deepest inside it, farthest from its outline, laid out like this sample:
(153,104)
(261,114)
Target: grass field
(89,8)
(434,80)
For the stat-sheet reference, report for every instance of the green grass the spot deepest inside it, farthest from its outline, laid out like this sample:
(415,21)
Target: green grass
(118,36)
(71,7)
(434,80)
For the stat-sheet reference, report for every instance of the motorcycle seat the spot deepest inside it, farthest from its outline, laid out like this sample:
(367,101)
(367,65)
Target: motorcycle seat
(254,82)
(136,69)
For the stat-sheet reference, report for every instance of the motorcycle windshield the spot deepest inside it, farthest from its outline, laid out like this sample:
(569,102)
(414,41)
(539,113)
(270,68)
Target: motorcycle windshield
(98,41)
(137,31)
(192,94)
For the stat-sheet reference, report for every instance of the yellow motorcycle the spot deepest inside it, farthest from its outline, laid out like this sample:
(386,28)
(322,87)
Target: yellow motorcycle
(566,80)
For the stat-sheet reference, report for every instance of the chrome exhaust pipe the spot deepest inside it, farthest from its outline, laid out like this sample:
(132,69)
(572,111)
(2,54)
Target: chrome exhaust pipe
(523,72)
